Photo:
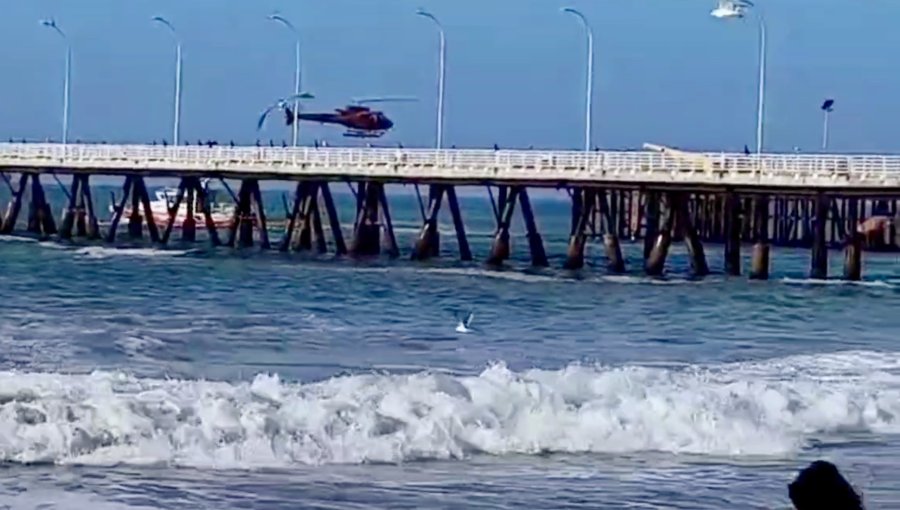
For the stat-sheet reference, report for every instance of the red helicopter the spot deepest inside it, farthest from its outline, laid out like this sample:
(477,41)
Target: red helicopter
(360,121)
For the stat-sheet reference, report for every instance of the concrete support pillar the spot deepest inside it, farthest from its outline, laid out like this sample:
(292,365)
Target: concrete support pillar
(506,205)
(367,230)
(428,243)
(733,229)
(577,239)
(759,265)
(656,261)
(853,244)
(819,260)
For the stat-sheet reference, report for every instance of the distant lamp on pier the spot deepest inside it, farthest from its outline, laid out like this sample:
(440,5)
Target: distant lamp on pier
(727,9)
(51,23)
(278,18)
(827,108)
(589,93)
(177,121)
(442,67)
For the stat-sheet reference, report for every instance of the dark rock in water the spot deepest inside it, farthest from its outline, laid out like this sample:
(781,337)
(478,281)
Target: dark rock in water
(821,487)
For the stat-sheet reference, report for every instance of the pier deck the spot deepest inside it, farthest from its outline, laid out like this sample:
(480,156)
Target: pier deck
(660,195)
(852,174)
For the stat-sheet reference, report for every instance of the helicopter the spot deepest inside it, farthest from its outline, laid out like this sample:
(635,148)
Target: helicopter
(731,8)
(360,120)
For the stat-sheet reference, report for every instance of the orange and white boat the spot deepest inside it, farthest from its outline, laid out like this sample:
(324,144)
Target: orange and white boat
(160,206)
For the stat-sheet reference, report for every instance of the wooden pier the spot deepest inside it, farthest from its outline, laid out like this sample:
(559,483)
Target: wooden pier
(659,195)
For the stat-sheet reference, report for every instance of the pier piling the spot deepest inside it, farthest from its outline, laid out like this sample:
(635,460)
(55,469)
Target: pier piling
(40,216)
(465,254)
(733,229)
(15,206)
(367,231)
(503,212)
(853,244)
(819,260)
(759,263)
(581,211)
(655,263)
(427,244)
(691,239)
(340,248)
(189,225)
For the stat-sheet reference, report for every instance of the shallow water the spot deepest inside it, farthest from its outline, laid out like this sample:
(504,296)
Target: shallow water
(193,378)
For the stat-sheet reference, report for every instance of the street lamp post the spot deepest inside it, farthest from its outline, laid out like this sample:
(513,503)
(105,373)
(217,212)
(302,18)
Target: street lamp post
(590,76)
(280,19)
(177,122)
(827,108)
(441,76)
(735,9)
(761,92)
(68,72)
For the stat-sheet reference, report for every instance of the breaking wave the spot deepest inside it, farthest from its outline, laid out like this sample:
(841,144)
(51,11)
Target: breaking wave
(771,408)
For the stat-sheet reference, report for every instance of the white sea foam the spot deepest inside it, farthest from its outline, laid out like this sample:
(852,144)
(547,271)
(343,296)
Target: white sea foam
(884,284)
(102,252)
(50,499)
(771,408)
(17,239)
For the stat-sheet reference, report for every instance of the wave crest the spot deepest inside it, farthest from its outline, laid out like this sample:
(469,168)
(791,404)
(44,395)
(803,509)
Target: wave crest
(772,409)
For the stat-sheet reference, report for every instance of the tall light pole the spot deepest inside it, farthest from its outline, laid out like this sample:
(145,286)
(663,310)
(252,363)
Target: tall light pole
(761,92)
(177,122)
(280,19)
(588,115)
(441,76)
(735,9)
(827,108)
(68,73)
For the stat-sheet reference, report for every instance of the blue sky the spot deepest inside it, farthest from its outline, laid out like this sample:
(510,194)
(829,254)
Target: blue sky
(666,72)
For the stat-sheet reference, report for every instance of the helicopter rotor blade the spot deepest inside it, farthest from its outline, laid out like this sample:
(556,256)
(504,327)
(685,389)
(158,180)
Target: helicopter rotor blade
(384,99)
(262,117)
(282,104)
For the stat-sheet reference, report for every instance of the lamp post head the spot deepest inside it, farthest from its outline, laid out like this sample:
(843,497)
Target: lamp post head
(164,21)
(731,9)
(425,14)
(284,21)
(51,23)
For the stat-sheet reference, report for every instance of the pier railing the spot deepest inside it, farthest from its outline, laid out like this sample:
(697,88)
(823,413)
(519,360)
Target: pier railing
(462,165)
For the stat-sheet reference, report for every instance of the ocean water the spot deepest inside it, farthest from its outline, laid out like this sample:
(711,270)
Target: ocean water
(135,378)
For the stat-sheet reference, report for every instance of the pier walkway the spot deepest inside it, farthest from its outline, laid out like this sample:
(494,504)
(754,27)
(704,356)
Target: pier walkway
(658,194)
(849,173)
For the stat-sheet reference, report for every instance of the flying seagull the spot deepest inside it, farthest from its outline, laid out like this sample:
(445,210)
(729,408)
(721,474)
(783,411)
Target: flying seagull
(463,326)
